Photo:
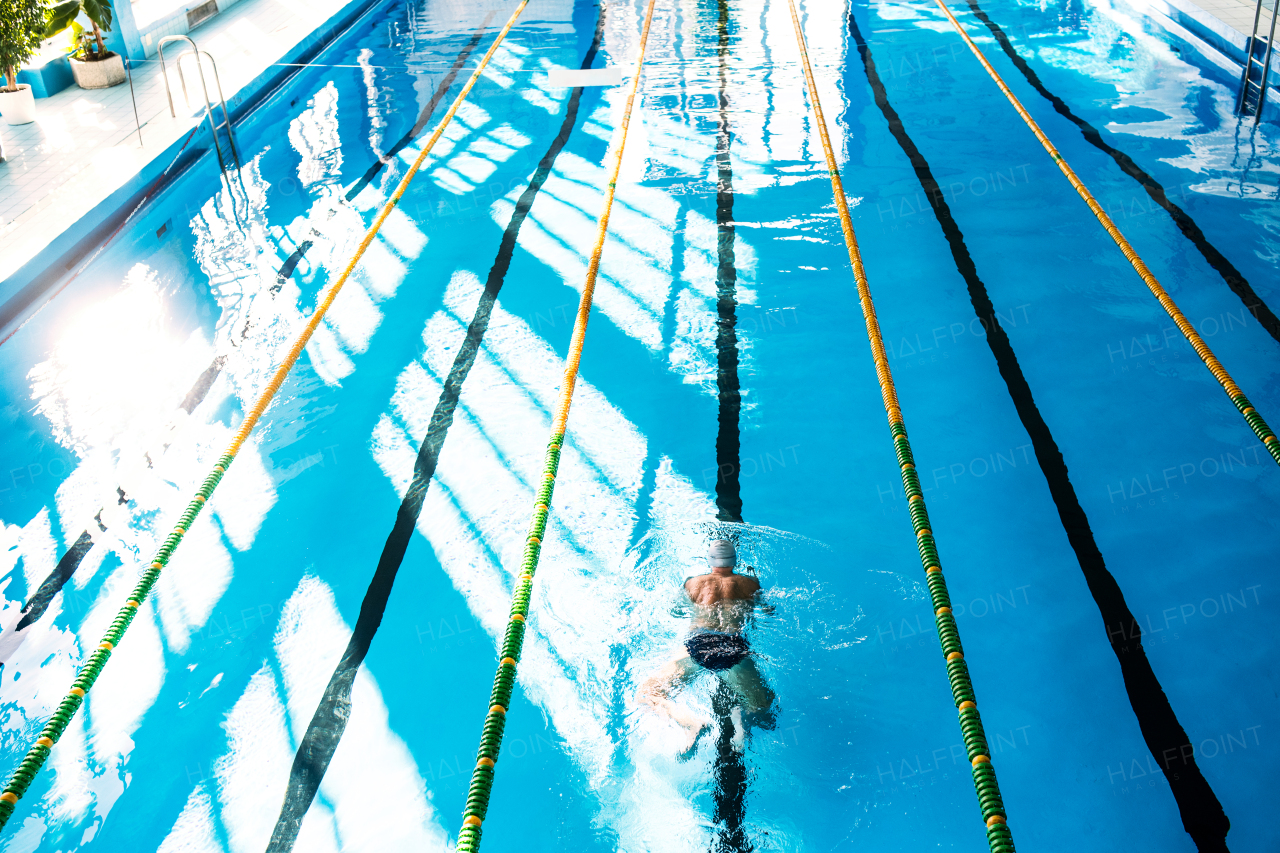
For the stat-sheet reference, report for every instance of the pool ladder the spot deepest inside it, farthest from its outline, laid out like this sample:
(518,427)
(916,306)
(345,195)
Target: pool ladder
(214,126)
(1253,94)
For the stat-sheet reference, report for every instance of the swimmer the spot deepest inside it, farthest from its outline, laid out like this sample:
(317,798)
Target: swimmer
(722,602)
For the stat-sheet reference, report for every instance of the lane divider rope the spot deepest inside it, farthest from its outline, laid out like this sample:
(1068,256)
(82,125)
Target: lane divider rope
(1241,402)
(26,771)
(495,720)
(999,838)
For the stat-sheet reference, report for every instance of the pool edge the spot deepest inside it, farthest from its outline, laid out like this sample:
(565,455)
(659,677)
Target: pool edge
(21,293)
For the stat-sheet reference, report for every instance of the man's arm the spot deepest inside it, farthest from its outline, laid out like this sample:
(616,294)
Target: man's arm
(757,599)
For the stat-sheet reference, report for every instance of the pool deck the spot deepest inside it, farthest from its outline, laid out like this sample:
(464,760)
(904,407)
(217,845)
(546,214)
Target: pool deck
(1223,24)
(1237,14)
(69,175)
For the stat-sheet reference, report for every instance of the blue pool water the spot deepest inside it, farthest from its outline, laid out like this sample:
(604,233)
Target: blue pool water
(1088,481)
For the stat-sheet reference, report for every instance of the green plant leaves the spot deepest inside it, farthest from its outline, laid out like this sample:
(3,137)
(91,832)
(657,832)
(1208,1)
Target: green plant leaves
(61,16)
(21,29)
(99,11)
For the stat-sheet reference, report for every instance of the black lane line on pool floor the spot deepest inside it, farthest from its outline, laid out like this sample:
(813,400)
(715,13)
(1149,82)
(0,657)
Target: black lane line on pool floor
(329,722)
(730,768)
(729,391)
(1202,814)
(38,603)
(1233,277)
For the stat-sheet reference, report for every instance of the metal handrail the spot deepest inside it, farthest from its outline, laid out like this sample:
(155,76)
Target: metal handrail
(204,87)
(1266,62)
(217,81)
(1243,100)
(1242,104)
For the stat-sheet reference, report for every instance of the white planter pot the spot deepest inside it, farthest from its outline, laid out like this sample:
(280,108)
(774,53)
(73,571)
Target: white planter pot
(18,107)
(98,75)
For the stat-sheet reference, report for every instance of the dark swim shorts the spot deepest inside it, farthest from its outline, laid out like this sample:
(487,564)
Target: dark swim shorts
(716,650)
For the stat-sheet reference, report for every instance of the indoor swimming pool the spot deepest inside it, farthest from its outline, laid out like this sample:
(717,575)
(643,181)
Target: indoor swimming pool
(312,668)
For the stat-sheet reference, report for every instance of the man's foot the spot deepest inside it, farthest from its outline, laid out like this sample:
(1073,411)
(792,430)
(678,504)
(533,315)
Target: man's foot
(692,734)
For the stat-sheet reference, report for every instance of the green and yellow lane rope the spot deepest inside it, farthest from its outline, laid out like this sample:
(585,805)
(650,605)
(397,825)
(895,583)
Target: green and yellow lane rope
(26,772)
(999,837)
(1241,402)
(509,657)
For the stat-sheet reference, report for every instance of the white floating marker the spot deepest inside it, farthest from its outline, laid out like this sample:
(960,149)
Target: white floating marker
(568,78)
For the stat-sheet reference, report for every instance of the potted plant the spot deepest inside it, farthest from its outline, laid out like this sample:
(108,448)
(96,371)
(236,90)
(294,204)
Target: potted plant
(93,66)
(22,25)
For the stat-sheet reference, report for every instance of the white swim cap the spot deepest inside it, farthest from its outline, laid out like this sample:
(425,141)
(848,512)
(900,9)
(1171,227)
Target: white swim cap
(722,555)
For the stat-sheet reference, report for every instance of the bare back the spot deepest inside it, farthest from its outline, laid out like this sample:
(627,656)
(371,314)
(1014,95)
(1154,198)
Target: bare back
(722,601)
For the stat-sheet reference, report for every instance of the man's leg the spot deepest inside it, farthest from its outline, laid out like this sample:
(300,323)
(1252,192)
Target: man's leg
(757,697)
(657,690)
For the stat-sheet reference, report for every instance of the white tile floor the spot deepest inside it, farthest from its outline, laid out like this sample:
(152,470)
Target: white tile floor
(1237,14)
(84,144)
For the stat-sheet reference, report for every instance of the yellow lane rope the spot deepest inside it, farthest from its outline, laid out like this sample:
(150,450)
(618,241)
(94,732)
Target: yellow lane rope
(509,657)
(1251,416)
(22,777)
(999,837)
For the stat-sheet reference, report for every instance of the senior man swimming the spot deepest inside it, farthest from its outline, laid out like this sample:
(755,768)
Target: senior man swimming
(723,603)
